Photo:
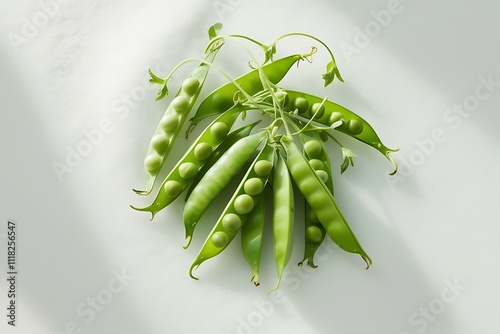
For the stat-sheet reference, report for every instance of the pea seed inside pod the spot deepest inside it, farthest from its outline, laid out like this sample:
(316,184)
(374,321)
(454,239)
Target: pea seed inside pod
(187,170)
(243,204)
(335,117)
(322,175)
(180,103)
(313,234)
(231,222)
(313,148)
(190,85)
(219,130)
(317,164)
(202,151)
(169,122)
(354,126)
(253,186)
(219,239)
(152,162)
(172,188)
(300,104)
(263,168)
(312,217)
(317,109)
(159,142)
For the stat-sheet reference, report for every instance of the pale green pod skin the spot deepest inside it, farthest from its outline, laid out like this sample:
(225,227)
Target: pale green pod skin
(216,178)
(308,138)
(251,238)
(283,216)
(321,201)
(164,198)
(173,120)
(211,248)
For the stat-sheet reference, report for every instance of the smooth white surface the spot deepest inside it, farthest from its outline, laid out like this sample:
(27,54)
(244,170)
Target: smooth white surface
(434,225)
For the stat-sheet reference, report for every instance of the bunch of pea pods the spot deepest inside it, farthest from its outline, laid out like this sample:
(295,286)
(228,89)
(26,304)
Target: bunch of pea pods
(272,160)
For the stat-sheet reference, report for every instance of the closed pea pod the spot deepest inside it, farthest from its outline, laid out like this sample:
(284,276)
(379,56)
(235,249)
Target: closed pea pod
(223,97)
(283,216)
(321,201)
(172,121)
(353,125)
(216,178)
(187,167)
(235,214)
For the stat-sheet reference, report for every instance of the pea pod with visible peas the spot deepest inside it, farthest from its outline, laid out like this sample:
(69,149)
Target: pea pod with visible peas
(328,113)
(188,166)
(239,208)
(223,97)
(251,238)
(172,121)
(216,179)
(230,140)
(321,201)
(315,151)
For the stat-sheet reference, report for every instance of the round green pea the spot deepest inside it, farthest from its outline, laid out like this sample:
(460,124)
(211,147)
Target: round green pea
(307,185)
(219,239)
(169,122)
(313,148)
(190,85)
(317,164)
(187,170)
(180,103)
(317,109)
(300,104)
(219,130)
(322,175)
(202,151)
(354,127)
(335,117)
(263,167)
(243,204)
(172,188)
(231,222)
(152,162)
(312,217)
(159,142)
(253,186)
(314,234)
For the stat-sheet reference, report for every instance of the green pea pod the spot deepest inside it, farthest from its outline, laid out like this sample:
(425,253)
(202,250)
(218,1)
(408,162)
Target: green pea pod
(231,138)
(239,208)
(353,125)
(283,216)
(216,179)
(195,157)
(251,238)
(315,151)
(172,121)
(223,97)
(321,200)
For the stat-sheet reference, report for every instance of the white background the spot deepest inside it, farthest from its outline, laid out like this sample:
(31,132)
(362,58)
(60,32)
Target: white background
(432,230)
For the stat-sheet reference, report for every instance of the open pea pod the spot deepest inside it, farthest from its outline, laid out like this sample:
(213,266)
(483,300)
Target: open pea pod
(353,125)
(321,200)
(223,97)
(252,236)
(229,141)
(195,157)
(170,125)
(239,208)
(315,151)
